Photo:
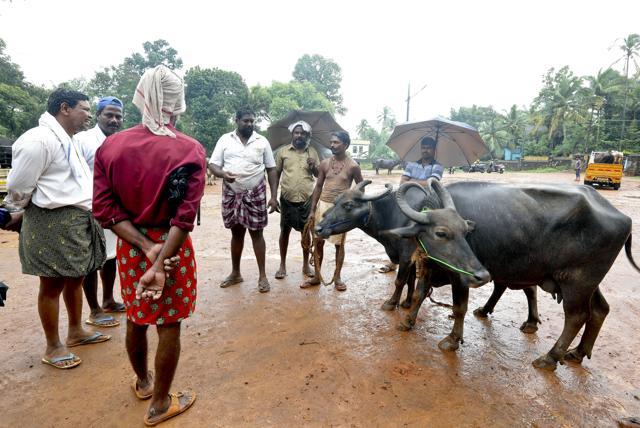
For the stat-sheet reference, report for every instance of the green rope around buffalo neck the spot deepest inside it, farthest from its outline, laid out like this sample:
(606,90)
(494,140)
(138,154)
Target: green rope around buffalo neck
(435,259)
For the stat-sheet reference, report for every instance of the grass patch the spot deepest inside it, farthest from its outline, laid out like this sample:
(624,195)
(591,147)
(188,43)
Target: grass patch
(545,169)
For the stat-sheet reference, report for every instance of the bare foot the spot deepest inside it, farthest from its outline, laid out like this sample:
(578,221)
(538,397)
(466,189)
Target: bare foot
(311,282)
(307,271)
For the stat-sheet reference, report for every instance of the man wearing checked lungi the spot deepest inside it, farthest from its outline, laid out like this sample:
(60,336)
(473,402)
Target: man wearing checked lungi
(148,184)
(241,158)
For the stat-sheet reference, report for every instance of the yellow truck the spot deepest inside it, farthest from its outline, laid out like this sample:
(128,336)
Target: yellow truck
(604,169)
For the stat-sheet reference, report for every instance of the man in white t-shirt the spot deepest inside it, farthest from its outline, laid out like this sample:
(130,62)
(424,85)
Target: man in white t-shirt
(109,117)
(241,158)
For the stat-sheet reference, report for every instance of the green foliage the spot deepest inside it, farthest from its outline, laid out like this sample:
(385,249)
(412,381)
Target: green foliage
(213,96)
(324,74)
(272,103)
(378,138)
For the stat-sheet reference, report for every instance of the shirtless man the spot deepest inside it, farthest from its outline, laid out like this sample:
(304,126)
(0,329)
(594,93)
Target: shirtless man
(338,173)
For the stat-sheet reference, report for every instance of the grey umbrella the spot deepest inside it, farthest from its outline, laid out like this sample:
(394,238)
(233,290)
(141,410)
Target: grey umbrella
(457,143)
(322,125)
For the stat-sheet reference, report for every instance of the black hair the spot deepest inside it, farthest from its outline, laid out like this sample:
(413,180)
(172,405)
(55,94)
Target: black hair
(428,141)
(243,111)
(343,136)
(61,95)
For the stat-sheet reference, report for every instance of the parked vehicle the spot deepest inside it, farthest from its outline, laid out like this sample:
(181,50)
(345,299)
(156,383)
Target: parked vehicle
(495,167)
(604,169)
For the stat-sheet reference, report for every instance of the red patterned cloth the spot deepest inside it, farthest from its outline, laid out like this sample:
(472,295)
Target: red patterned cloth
(178,299)
(247,208)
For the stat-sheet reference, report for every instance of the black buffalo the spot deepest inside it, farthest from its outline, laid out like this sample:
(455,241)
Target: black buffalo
(376,215)
(387,164)
(562,238)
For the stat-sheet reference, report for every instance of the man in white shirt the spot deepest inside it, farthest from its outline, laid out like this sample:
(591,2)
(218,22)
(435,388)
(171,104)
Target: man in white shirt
(109,116)
(241,158)
(59,239)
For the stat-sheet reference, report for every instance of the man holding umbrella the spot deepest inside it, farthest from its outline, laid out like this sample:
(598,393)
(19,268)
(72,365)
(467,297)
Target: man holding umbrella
(419,172)
(297,165)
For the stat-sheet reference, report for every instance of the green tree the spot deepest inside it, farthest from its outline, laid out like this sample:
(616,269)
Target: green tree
(121,80)
(631,49)
(273,102)
(213,96)
(324,74)
(387,118)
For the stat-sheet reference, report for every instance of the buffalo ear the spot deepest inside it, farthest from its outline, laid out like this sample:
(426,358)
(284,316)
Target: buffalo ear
(471,225)
(406,232)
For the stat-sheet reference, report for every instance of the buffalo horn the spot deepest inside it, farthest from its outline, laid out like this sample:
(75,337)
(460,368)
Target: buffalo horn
(442,192)
(368,198)
(364,183)
(414,215)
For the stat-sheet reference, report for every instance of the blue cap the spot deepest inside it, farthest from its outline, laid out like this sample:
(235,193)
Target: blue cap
(109,101)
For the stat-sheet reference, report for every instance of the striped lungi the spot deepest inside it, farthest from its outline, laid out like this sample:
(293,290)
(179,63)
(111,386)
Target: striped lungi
(178,300)
(60,242)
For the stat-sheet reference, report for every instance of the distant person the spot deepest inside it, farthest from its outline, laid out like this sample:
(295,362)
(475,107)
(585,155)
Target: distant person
(419,172)
(578,167)
(148,184)
(241,158)
(336,175)
(296,165)
(109,117)
(60,241)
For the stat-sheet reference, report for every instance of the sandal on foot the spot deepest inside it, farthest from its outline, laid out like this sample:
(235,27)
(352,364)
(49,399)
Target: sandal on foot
(387,268)
(263,285)
(96,337)
(56,362)
(341,286)
(281,274)
(107,321)
(309,284)
(118,307)
(136,391)
(175,408)
(229,281)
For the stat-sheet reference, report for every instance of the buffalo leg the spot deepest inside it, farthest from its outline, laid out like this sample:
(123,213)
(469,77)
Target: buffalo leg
(411,280)
(599,311)
(498,290)
(576,313)
(401,280)
(410,319)
(460,294)
(531,324)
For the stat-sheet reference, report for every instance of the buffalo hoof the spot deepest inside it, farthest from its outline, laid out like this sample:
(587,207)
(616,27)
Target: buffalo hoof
(406,304)
(448,344)
(574,355)
(388,306)
(529,327)
(407,324)
(545,362)
(481,313)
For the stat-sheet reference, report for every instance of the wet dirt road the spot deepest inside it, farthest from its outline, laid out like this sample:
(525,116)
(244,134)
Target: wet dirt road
(318,357)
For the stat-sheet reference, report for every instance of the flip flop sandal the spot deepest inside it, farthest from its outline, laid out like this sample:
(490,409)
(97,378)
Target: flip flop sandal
(136,391)
(341,287)
(386,269)
(229,282)
(54,362)
(173,410)
(120,307)
(105,322)
(280,275)
(96,337)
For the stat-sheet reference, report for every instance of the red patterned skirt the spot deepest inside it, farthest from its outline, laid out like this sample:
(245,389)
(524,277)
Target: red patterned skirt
(178,299)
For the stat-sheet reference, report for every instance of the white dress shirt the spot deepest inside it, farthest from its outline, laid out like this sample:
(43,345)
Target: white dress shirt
(49,169)
(89,142)
(246,161)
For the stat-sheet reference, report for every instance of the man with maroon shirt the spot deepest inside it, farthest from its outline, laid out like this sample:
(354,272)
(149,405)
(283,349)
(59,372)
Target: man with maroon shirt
(152,218)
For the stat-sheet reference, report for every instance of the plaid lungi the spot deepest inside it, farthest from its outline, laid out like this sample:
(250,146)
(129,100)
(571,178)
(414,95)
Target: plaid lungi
(60,242)
(178,300)
(245,208)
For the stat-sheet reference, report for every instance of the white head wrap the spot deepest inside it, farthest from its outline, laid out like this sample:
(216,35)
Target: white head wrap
(159,95)
(305,126)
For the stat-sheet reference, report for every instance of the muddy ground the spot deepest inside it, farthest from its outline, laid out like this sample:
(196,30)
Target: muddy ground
(322,358)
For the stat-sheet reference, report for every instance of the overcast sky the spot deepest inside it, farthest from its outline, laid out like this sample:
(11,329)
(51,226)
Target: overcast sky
(465,52)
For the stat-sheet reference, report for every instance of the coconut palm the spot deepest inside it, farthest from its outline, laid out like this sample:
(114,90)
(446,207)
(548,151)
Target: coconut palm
(631,49)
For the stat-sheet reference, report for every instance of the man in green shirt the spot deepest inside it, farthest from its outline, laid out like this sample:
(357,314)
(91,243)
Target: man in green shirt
(297,165)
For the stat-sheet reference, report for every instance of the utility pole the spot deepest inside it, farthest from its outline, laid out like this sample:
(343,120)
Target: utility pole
(409,96)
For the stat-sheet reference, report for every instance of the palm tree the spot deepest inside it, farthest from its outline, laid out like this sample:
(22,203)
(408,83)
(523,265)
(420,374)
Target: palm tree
(493,133)
(514,124)
(386,118)
(597,95)
(362,128)
(631,49)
